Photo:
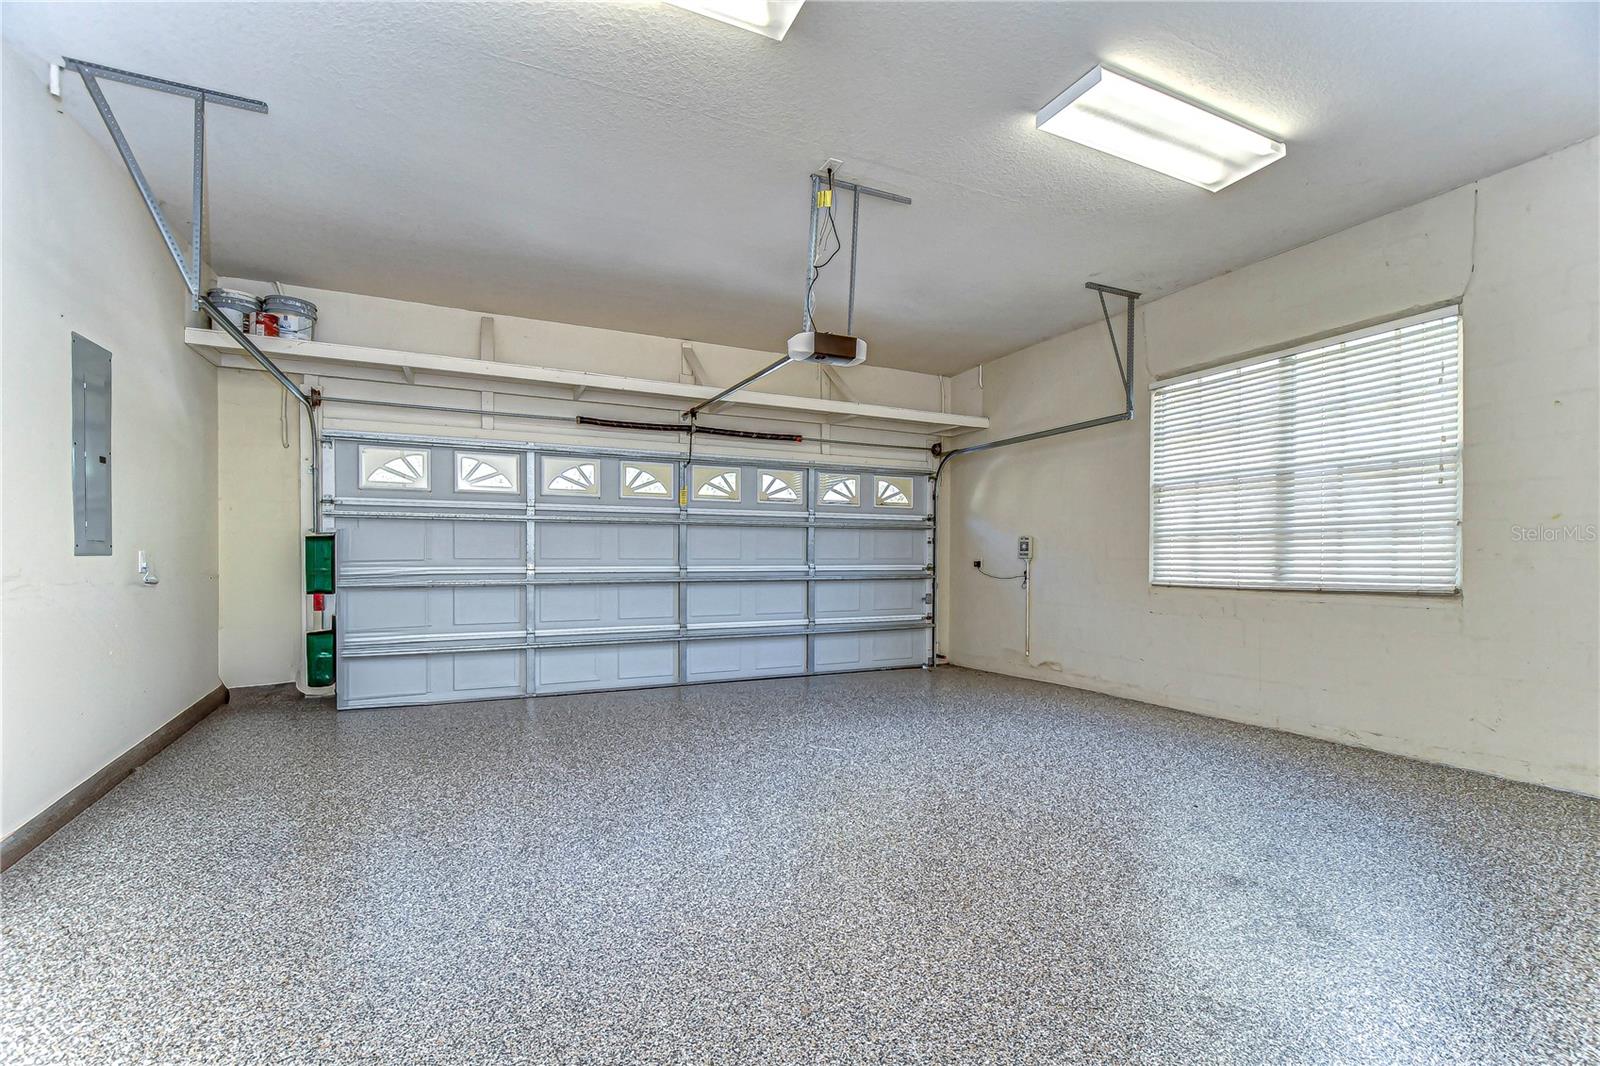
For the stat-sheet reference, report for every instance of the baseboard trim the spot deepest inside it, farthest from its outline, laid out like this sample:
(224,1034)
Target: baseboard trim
(41,827)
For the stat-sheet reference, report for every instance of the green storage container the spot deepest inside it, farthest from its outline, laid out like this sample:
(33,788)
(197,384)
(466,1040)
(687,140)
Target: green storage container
(319,658)
(319,562)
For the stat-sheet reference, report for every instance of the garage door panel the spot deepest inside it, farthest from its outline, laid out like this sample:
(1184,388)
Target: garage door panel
(438,677)
(838,600)
(605,666)
(773,546)
(737,657)
(482,672)
(871,547)
(500,606)
(383,540)
(438,611)
(730,602)
(496,542)
(590,545)
(386,677)
(871,651)
(568,607)
(369,611)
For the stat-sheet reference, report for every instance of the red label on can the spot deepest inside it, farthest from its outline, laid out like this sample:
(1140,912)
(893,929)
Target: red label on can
(266,324)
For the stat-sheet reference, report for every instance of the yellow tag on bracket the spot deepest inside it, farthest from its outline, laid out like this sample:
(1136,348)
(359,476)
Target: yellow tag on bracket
(683,495)
(824,197)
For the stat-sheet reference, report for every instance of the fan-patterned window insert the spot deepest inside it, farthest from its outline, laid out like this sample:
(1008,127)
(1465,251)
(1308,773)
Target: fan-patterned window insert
(893,491)
(717,483)
(394,468)
(840,490)
(647,480)
(569,477)
(486,472)
(780,486)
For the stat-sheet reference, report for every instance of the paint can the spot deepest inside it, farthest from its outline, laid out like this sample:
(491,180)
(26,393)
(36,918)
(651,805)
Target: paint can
(237,307)
(266,325)
(297,318)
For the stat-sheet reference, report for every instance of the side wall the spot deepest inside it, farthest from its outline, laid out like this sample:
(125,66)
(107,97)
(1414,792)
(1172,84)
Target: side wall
(1501,678)
(258,531)
(93,660)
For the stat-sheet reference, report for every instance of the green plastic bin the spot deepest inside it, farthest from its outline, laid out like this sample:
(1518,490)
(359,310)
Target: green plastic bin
(319,562)
(319,658)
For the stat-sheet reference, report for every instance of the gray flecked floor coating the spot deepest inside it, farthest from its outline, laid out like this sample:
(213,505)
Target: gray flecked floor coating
(899,867)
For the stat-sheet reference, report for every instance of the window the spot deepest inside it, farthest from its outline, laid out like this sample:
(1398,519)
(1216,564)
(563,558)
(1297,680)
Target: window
(486,472)
(568,477)
(716,483)
(893,491)
(394,468)
(779,486)
(649,480)
(841,489)
(1331,467)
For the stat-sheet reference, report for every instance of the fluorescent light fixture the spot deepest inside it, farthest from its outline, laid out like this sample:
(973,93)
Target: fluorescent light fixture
(1112,113)
(770,18)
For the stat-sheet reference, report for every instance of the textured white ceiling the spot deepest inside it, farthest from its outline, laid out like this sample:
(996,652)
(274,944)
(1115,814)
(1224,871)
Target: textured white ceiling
(639,167)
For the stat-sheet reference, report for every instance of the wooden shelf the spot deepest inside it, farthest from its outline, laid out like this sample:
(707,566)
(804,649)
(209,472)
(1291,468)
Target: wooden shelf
(317,357)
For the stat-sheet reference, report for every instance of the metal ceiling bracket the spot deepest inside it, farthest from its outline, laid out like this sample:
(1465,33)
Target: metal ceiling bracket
(91,73)
(856,193)
(1124,374)
(189,266)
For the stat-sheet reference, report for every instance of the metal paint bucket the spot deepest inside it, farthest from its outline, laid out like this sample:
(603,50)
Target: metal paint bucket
(297,318)
(237,307)
(266,325)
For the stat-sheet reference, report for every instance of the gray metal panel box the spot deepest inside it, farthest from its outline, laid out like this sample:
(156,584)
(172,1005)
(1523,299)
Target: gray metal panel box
(91,448)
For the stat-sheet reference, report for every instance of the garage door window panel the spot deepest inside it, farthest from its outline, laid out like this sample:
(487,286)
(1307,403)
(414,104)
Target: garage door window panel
(401,469)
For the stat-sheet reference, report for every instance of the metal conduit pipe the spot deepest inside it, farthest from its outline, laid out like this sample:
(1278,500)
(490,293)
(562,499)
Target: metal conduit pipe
(1125,370)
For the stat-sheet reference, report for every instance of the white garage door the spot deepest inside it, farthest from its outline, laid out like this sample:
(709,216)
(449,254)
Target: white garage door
(479,570)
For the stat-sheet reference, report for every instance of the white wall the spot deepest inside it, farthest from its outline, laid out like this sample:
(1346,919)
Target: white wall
(91,660)
(1501,678)
(258,531)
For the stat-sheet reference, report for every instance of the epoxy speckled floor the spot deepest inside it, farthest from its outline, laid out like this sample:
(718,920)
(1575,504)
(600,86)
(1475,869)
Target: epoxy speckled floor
(892,868)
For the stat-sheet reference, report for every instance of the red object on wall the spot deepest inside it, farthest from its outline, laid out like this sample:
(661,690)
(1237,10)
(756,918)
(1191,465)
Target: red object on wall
(318,601)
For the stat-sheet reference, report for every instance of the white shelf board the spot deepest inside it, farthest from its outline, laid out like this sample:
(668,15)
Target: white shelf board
(307,356)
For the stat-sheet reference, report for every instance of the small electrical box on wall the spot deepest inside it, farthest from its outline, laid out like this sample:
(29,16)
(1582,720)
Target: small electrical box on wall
(1024,547)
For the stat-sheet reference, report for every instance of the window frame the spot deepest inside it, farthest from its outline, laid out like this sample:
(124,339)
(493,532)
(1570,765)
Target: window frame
(651,468)
(572,461)
(481,454)
(1328,340)
(715,470)
(793,480)
(363,482)
(860,478)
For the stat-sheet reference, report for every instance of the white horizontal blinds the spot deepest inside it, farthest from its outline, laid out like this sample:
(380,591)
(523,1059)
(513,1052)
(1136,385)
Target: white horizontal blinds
(1334,467)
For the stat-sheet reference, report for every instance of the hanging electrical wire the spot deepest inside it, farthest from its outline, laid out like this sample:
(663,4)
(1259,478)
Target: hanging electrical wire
(816,267)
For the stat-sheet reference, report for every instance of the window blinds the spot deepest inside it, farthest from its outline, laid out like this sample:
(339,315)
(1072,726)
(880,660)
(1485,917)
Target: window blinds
(1330,467)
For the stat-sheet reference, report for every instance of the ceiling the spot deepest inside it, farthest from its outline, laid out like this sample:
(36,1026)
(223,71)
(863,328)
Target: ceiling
(639,167)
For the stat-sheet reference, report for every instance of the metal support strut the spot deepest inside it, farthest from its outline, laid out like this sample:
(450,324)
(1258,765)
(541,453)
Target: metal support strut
(1124,373)
(189,266)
